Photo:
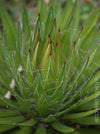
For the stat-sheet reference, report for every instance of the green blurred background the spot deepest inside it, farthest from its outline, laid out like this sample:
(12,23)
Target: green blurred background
(13,6)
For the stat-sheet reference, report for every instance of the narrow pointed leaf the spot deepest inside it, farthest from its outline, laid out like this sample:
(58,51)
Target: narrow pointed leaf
(40,129)
(61,127)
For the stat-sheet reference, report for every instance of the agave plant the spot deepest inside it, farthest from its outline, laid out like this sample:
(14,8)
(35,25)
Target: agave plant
(49,80)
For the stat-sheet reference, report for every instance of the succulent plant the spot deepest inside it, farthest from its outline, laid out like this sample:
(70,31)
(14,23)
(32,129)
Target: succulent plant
(49,79)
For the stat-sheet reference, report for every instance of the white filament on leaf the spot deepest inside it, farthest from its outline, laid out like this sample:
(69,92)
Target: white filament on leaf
(20,69)
(12,86)
(8,95)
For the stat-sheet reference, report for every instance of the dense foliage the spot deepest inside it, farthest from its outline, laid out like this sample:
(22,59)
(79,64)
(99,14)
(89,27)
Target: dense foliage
(49,73)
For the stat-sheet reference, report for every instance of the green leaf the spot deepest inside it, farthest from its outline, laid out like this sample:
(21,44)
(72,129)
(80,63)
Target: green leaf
(26,30)
(79,115)
(42,105)
(82,47)
(61,127)
(66,40)
(90,22)
(2,104)
(10,30)
(25,20)
(49,22)
(23,130)
(57,11)
(81,69)
(45,62)
(10,103)
(79,103)
(88,130)
(3,51)
(21,85)
(7,113)
(12,120)
(40,129)
(49,131)
(4,128)
(29,70)
(43,11)
(37,31)
(66,15)
(50,118)
(4,82)
(58,56)
(91,97)
(28,123)
(20,43)
(88,105)
(49,81)
(2,90)
(75,20)
(74,132)
(57,96)
(34,59)
(24,105)
(83,87)
(92,120)
(53,30)
(38,87)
